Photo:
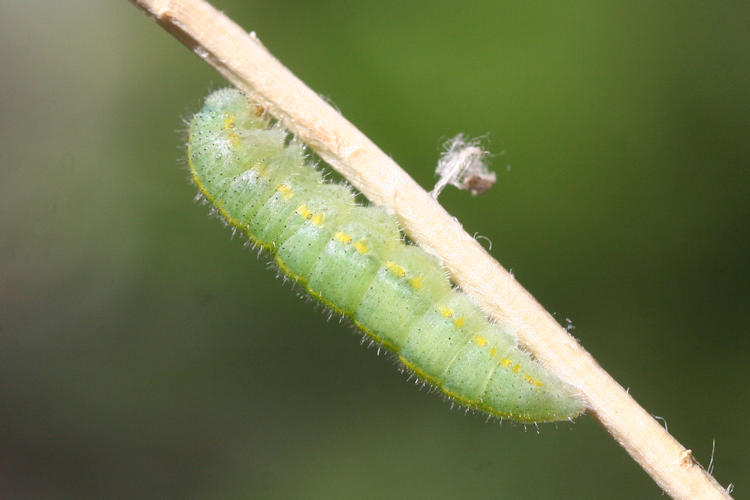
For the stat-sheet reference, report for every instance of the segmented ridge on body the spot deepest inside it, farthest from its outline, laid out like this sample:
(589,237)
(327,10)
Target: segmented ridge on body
(353,259)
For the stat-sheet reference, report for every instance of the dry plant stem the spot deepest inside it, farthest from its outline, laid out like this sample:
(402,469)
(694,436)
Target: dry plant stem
(243,60)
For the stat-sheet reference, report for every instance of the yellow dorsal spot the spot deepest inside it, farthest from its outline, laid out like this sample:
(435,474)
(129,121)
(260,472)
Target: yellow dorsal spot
(459,322)
(317,219)
(537,383)
(480,341)
(517,368)
(446,313)
(506,362)
(360,247)
(285,191)
(416,283)
(493,352)
(395,269)
(229,127)
(304,211)
(343,237)
(528,379)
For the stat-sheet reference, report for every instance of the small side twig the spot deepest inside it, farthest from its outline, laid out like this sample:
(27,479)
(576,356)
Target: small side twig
(243,60)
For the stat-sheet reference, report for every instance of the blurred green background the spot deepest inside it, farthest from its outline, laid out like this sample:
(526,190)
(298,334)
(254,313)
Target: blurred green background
(145,354)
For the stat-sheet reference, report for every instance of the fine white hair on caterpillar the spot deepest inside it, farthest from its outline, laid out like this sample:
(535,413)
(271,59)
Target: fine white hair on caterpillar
(354,260)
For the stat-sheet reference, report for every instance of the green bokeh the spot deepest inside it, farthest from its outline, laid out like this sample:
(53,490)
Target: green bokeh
(145,354)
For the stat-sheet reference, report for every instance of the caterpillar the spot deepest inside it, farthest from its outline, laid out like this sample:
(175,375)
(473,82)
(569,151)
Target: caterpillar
(354,260)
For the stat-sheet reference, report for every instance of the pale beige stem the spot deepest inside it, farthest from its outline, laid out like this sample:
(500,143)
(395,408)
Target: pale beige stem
(243,60)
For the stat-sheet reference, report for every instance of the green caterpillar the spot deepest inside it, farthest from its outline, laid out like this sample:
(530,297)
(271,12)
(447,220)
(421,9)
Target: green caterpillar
(353,259)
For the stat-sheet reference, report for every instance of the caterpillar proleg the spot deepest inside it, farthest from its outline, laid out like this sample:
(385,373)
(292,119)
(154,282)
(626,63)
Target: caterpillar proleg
(354,260)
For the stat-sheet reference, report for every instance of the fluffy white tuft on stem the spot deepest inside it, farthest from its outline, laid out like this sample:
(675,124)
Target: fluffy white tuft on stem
(462,165)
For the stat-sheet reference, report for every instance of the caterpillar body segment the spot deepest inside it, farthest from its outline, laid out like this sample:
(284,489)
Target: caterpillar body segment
(353,259)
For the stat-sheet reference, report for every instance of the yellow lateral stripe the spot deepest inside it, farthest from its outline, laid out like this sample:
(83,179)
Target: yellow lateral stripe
(360,247)
(537,383)
(395,269)
(343,237)
(304,211)
(459,322)
(506,362)
(493,352)
(517,368)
